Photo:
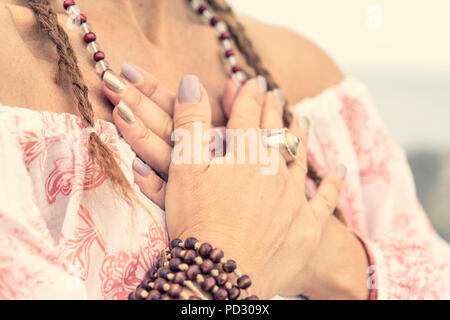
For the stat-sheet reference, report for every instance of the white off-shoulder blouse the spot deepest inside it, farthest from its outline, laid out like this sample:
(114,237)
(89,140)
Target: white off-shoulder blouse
(65,235)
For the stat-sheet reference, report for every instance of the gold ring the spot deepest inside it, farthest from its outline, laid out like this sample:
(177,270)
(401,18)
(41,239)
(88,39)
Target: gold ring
(283,140)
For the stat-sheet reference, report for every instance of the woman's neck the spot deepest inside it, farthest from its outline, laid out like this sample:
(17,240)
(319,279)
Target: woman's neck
(156,19)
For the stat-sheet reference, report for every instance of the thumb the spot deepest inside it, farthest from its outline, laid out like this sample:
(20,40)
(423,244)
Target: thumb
(192,121)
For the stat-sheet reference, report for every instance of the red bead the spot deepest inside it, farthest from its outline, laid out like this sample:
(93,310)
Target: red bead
(80,19)
(225,35)
(90,37)
(201,9)
(99,56)
(68,3)
(229,53)
(213,21)
(236,69)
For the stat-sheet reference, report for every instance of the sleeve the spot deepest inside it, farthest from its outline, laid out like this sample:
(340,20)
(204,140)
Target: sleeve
(29,267)
(379,198)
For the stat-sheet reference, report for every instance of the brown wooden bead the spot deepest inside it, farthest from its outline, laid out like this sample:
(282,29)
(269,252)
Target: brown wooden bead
(253,297)
(146,284)
(221,294)
(229,266)
(154,295)
(180,278)
(175,290)
(141,294)
(206,266)
(244,282)
(205,250)
(175,263)
(163,272)
(151,274)
(215,255)
(175,243)
(131,296)
(190,243)
(222,278)
(176,252)
(189,256)
(208,284)
(192,272)
(159,284)
(234,293)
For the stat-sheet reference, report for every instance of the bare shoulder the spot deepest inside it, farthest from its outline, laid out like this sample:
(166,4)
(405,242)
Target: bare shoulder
(300,67)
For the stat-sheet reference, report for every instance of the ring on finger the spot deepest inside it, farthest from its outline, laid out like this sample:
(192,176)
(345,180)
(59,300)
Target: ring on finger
(283,140)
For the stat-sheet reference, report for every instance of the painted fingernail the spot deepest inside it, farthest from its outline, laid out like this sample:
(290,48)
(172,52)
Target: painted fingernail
(130,71)
(304,123)
(189,90)
(341,171)
(114,82)
(279,95)
(141,167)
(125,112)
(262,84)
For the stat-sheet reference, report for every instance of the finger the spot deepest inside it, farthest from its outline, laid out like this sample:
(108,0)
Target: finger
(247,108)
(300,127)
(325,200)
(149,146)
(149,182)
(229,95)
(272,112)
(151,87)
(192,121)
(152,115)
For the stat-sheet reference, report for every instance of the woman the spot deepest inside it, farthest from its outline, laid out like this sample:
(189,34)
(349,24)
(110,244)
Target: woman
(68,235)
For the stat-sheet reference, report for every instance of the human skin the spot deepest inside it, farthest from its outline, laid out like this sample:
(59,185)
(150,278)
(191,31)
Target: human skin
(120,25)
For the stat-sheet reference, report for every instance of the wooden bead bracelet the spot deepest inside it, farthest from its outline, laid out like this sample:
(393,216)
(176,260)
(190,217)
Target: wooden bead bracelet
(192,271)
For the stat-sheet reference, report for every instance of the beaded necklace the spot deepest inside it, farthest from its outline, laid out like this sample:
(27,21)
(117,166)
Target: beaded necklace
(199,6)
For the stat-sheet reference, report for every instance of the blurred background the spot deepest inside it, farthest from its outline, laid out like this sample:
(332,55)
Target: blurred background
(401,50)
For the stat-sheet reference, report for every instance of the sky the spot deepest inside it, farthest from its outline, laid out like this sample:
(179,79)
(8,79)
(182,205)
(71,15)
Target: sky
(399,48)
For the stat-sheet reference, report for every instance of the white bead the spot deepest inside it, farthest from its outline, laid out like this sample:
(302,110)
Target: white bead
(221,27)
(232,61)
(85,28)
(74,11)
(226,44)
(240,76)
(206,16)
(101,66)
(93,47)
(195,4)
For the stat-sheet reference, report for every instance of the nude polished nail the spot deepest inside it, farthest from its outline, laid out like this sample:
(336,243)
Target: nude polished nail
(125,112)
(114,82)
(141,167)
(132,73)
(189,90)
(341,171)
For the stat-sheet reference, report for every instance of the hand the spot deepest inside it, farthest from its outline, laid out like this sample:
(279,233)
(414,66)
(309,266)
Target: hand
(262,221)
(285,241)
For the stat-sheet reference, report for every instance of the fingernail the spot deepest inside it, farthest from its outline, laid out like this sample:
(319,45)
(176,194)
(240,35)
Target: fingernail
(279,95)
(341,171)
(130,71)
(141,167)
(189,90)
(304,123)
(262,84)
(114,82)
(125,112)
